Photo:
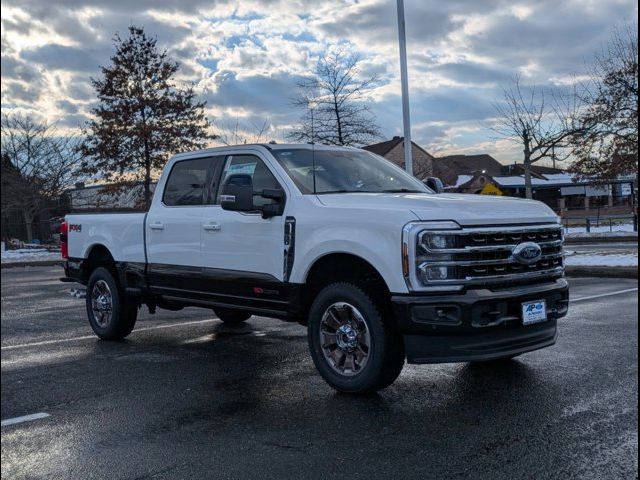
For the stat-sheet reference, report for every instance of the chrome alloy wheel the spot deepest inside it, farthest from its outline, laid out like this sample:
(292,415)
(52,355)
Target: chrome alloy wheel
(345,339)
(101,303)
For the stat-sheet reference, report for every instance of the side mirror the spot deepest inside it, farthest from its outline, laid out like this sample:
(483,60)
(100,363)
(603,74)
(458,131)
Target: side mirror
(237,193)
(273,209)
(435,184)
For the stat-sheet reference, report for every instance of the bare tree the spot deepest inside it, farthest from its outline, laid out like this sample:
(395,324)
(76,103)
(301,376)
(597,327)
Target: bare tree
(607,145)
(543,122)
(334,101)
(38,164)
(239,132)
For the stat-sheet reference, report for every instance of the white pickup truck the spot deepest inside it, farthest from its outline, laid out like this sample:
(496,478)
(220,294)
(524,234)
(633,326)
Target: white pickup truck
(379,268)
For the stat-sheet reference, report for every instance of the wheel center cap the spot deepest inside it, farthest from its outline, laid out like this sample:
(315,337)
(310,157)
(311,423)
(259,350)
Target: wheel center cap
(103,302)
(346,337)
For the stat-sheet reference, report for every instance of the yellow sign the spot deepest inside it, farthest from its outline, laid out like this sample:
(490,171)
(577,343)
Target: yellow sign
(491,189)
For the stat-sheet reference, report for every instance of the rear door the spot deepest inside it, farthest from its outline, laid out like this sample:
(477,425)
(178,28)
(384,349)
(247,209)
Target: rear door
(174,226)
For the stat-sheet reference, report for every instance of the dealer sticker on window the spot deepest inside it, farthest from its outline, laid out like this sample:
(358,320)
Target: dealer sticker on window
(534,312)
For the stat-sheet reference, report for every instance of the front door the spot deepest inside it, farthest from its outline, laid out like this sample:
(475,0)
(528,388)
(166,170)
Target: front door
(242,253)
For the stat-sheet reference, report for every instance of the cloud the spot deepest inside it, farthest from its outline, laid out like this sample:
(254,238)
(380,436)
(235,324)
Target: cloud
(259,95)
(62,57)
(245,57)
(473,73)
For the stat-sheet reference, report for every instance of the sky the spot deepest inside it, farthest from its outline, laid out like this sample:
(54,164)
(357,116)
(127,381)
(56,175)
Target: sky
(245,58)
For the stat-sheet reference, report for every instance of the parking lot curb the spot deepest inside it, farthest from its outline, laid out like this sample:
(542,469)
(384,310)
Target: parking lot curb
(603,272)
(35,263)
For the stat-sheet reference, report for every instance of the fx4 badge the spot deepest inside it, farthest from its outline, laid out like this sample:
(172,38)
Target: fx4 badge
(75,227)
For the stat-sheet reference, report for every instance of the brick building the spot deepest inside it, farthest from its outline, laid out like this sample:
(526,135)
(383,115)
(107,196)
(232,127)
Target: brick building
(393,150)
(448,168)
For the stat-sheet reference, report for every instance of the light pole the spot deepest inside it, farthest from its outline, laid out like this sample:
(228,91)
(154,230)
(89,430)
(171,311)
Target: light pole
(406,122)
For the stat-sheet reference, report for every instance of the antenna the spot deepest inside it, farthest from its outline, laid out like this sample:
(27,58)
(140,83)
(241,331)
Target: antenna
(313,147)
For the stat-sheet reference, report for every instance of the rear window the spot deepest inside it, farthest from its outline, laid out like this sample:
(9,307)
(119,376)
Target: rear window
(187,182)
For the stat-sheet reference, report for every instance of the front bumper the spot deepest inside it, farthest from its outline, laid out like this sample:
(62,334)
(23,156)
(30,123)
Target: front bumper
(479,324)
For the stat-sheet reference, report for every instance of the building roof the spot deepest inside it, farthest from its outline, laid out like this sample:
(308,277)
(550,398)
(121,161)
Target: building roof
(553,180)
(450,167)
(536,170)
(385,147)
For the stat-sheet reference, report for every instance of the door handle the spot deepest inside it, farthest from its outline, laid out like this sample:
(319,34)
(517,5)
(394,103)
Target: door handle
(156,226)
(212,227)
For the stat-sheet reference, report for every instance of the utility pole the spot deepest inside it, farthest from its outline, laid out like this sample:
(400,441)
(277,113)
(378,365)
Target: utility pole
(406,122)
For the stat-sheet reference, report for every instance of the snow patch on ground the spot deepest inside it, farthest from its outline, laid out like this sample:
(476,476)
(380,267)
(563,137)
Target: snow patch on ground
(621,230)
(29,255)
(574,259)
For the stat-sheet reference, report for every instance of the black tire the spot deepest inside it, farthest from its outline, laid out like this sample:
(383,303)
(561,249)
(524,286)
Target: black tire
(385,357)
(124,312)
(230,316)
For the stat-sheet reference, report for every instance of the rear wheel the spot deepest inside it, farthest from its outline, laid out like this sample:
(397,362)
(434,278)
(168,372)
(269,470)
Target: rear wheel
(354,347)
(230,316)
(111,315)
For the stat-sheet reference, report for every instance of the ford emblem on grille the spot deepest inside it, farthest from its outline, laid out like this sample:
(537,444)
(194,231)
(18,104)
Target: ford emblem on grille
(527,253)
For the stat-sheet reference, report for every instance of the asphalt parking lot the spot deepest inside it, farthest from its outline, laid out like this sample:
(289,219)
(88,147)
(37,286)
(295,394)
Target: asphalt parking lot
(185,397)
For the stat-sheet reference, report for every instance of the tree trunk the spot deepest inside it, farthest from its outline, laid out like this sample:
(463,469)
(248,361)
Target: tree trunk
(147,184)
(28,224)
(338,121)
(147,162)
(527,167)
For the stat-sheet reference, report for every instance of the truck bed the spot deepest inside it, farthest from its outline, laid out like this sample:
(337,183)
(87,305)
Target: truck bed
(121,233)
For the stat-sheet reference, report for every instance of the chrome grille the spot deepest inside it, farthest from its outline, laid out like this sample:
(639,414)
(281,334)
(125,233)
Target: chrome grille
(482,256)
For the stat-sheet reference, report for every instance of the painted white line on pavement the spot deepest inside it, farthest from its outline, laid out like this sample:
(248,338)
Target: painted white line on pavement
(24,418)
(86,337)
(591,297)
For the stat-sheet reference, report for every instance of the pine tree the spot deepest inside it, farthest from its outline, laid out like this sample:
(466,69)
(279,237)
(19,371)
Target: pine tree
(142,117)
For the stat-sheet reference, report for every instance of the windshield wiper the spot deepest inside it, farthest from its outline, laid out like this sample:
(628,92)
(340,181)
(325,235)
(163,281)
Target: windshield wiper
(333,191)
(347,191)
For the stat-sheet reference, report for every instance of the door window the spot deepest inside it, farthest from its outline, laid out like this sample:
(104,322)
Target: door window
(187,183)
(260,174)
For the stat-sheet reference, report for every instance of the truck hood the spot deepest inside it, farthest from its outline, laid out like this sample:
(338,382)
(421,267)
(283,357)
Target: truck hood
(466,209)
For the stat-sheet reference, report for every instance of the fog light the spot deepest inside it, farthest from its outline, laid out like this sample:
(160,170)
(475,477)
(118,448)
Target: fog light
(431,273)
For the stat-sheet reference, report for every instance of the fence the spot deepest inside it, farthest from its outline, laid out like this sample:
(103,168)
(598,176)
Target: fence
(602,223)
(43,230)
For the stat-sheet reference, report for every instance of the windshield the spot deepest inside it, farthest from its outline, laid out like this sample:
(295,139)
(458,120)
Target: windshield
(344,171)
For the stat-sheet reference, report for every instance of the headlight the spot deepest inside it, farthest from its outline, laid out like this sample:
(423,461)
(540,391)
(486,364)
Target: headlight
(436,241)
(424,261)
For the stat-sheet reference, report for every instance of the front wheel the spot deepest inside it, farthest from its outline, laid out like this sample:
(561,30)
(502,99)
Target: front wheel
(353,346)
(111,315)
